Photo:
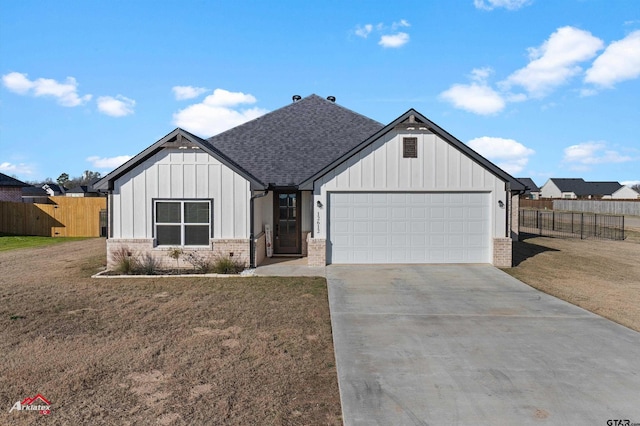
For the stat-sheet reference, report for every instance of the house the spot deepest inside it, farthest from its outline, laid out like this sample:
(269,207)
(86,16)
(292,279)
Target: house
(331,184)
(87,190)
(624,193)
(578,189)
(532,192)
(11,188)
(40,193)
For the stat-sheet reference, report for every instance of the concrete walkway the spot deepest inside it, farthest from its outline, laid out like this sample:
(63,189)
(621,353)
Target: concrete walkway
(288,267)
(470,345)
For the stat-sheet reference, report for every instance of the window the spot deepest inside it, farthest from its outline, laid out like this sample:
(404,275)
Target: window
(410,147)
(182,223)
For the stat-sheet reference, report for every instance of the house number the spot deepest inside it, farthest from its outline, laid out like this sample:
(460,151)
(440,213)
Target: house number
(318,222)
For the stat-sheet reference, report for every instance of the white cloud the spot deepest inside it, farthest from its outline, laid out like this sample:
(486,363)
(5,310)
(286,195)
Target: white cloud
(555,61)
(619,62)
(590,153)
(630,183)
(475,97)
(187,92)
(108,162)
(118,106)
(66,93)
(481,74)
(16,169)
(217,112)
(508,154)
(507,4)
(401,23)
(364,31)
(394,40)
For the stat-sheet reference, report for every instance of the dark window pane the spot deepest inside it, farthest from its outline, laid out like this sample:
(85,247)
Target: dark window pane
(168,212)
(168,235)
(196,212)
(196,235)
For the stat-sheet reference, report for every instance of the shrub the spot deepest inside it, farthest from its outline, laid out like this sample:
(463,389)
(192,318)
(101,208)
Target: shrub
(126,262)
(175,253)
(227,265)
(148,265)
(200,263)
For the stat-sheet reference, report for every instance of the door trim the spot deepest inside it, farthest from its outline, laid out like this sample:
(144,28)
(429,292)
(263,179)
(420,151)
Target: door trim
(276,216)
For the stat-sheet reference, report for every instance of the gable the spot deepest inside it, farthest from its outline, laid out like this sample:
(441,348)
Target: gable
(437,166)
(412,122)
(177,139)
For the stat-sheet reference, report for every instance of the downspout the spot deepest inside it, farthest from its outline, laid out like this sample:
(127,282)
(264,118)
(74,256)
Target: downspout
(508,209)
(252,255)
(110,214)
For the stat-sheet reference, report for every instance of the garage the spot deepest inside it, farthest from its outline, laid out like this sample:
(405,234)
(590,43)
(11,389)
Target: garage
(409,227)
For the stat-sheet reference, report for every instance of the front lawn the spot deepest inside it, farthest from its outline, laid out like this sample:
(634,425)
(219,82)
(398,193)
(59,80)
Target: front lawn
(161,350)
(12,242)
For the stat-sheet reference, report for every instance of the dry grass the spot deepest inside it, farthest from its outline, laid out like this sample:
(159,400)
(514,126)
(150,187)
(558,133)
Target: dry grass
(163,350)
(600,276)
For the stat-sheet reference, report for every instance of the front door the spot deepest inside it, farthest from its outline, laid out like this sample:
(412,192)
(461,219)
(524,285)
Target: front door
(287,222)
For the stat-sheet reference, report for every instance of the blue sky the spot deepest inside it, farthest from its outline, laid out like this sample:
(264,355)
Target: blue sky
(542,88)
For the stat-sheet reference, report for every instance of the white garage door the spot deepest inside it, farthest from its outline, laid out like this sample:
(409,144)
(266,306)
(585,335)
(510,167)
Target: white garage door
(409,228)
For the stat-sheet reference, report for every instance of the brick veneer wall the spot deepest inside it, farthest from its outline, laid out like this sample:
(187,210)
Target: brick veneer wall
(502,252)
(316,251)
(140,247)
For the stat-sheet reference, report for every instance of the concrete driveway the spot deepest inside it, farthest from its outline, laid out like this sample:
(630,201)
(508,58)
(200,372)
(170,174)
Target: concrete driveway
(468,344)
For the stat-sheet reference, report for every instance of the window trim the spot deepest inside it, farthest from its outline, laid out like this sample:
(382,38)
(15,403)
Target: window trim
(182,223)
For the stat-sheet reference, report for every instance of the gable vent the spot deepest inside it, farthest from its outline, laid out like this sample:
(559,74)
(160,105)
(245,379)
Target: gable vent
(410,147)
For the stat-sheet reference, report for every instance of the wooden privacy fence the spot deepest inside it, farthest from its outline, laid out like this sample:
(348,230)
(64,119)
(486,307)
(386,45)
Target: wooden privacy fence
(546,204)
(65,217)
(627,207)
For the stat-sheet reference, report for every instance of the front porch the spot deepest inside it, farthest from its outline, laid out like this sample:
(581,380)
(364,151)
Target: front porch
(283,227)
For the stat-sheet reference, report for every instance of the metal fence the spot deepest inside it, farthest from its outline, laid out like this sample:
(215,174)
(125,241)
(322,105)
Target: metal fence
(572,225)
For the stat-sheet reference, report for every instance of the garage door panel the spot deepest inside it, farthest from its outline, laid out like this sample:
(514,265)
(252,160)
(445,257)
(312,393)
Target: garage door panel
(379,227)
(408,227)
(361,227)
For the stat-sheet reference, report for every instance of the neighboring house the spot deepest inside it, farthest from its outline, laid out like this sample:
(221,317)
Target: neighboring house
(40,193)
(11,188)
(624,193)
(532,192)
(84,190)
(578,189)
(331,184)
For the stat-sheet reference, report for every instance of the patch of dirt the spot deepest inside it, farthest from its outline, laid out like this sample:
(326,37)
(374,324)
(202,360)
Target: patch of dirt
(600,276)
(172,351)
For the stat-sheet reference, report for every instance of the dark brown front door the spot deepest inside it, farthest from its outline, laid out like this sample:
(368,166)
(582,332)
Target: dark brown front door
(286,216)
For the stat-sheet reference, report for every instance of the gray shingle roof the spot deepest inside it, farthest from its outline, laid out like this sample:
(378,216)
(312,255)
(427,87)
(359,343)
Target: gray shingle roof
(292,143)
(580,187)
(530,184)
(9,181)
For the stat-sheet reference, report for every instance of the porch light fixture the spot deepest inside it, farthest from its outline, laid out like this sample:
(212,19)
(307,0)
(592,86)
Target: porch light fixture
(500,204)
(319,204)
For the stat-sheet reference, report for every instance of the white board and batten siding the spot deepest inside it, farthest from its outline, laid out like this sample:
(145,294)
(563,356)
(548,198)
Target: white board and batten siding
(440,181)
(180,174)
